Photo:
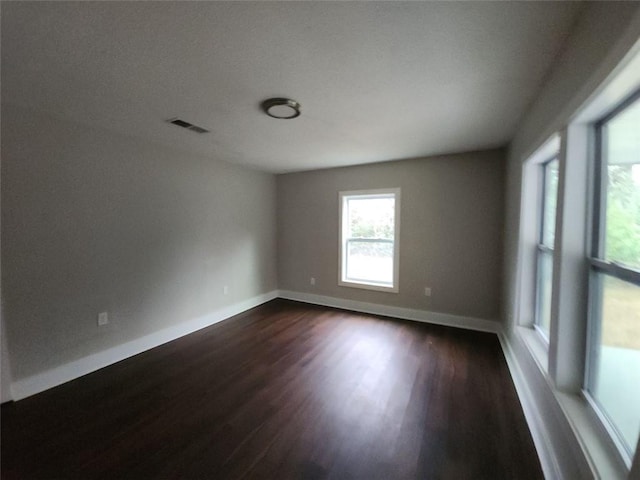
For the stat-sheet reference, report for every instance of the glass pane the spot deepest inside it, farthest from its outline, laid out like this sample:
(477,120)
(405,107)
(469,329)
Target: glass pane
(371,217)
(543,306)
(370,261)
(616,379)
(550,199)
(622,233)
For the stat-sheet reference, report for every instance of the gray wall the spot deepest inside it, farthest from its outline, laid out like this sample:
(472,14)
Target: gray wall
(450,235)
(94,221)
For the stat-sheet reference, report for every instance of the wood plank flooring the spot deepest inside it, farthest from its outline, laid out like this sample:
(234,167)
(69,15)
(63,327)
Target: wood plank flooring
(284,391)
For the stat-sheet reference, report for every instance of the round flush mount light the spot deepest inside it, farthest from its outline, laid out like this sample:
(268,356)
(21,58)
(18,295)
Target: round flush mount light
(282,108)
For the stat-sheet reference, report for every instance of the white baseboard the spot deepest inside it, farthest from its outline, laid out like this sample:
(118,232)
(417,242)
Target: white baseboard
(64,373)
(533,415)
(470,323)
(534,412)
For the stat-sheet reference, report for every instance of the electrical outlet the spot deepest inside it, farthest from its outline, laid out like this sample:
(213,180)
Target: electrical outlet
(225,290)
(312,280)
(427,291)
(103,318)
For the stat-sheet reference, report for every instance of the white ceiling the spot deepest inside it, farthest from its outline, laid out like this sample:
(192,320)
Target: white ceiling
(377,81)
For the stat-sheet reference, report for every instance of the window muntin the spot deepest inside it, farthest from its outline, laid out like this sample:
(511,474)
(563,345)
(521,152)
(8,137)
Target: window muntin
(368,239)
(613,376)
(546,237)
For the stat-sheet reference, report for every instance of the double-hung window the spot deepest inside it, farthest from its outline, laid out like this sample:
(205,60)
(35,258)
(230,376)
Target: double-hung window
(370,222)
(546,236)
(613,374)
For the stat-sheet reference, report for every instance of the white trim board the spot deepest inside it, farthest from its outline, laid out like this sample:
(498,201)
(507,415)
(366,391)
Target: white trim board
(469,323)
(532,413)
(40,382)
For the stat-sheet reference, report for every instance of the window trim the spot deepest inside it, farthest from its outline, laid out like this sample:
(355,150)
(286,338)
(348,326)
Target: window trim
(343,196)
(531,185)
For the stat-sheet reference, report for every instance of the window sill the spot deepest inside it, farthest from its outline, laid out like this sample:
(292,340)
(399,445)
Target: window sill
(538,347)
(368,286)
(600,451)
(596,443)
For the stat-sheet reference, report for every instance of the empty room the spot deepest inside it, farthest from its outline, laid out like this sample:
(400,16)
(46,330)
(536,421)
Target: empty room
(320,240)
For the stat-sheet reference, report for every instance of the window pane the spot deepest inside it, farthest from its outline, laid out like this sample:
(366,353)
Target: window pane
(616,380)
(370,261)
(371,217)
(550,199)
(622,233)
(543,306)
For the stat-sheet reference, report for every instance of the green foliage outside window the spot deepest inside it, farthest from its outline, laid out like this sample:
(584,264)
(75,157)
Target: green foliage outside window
(371,219)
(623,216)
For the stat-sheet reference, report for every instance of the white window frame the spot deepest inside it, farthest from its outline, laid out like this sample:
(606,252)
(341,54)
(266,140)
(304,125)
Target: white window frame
(530,231)
(542,249)
(598,264)
(343,240)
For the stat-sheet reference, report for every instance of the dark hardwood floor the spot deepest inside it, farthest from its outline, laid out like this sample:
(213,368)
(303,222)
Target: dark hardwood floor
(284,391)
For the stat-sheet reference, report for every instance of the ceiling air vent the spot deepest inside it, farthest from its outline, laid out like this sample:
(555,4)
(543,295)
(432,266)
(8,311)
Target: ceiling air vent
(187,125)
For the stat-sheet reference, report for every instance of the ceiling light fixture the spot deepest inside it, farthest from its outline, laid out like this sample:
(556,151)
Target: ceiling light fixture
(282,108)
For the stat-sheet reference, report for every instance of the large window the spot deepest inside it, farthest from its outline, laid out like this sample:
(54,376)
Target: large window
(546,237)
(590,267)
(370,223)
(613,379)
